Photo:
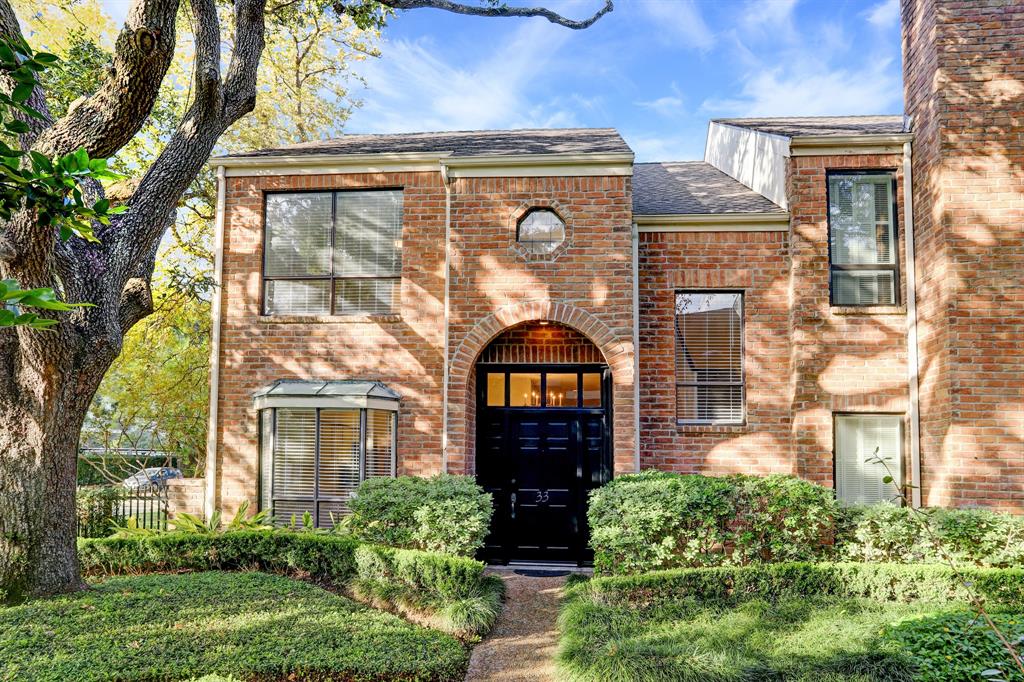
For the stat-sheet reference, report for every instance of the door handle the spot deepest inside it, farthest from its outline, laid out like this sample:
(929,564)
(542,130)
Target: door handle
(513,500)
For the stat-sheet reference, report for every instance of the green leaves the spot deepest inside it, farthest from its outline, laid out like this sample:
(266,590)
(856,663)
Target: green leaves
(14,298)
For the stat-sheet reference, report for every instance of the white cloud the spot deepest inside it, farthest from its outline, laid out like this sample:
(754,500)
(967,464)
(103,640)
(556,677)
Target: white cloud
(412,88)
(772,19)
(778,92)
(669,106)
(885,14)
(650,146)
(680,21)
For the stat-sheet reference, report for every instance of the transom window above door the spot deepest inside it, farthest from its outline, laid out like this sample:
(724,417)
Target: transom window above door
(555,388)
(332,253)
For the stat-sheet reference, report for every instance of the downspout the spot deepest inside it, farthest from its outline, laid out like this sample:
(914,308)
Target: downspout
(210,500)
(446,180)
(636,348)
(912,350)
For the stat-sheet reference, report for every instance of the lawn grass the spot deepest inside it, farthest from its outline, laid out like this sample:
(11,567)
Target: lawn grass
(250,625)
(794,639)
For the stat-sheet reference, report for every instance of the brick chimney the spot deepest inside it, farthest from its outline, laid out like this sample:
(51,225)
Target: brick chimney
(963,63)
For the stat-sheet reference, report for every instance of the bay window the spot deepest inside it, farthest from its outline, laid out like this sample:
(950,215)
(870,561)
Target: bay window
(319,441)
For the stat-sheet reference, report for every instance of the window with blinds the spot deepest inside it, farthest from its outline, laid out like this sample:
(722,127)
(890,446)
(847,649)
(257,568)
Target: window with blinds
(313,459)
(332,253)
(709,358)
(868,448)
(862,239)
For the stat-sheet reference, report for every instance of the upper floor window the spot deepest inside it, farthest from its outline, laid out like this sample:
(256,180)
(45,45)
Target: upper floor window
(541,231)
(709,357)
(334,253)
(862,239)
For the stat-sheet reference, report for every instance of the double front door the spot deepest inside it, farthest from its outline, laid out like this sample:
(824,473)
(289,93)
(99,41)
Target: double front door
(543,443)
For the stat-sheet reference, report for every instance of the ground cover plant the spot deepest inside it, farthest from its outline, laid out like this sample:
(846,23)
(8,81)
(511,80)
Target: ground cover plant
(249,625)
(447,592)
(835,622)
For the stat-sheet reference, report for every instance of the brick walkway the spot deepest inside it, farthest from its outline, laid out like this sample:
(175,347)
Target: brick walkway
(522,646)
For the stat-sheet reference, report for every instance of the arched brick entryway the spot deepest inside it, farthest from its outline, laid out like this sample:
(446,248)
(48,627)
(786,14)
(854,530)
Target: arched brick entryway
(617,353)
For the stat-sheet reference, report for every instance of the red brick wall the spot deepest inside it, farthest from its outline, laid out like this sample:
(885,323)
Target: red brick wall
(586,284)
(757,263)
(404,350)
(964,85)
(842,359)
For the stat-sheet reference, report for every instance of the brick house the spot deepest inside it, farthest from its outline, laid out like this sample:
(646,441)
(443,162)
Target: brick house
(533,308)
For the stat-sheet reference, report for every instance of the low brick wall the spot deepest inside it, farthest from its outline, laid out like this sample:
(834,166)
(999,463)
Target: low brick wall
(186,495)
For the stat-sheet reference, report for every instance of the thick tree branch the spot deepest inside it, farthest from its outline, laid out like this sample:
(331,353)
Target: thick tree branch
(240,83)
(494,11)
(106,121)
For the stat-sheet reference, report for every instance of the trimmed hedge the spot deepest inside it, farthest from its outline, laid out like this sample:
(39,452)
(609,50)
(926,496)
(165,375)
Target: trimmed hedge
(881,582)
(885,533)
(450,593)
(443,513)
(657,520)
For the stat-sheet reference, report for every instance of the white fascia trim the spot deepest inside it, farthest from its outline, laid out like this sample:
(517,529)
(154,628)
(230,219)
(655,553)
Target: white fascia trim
(332,402)
(533,165)
(719,222)
(822,145)
(525,165)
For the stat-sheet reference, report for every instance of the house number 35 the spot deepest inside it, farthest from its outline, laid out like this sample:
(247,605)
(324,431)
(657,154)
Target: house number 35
(542,496)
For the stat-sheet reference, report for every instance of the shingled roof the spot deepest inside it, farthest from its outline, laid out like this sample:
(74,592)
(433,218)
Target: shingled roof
(692,187)
(829,126)
(463,143)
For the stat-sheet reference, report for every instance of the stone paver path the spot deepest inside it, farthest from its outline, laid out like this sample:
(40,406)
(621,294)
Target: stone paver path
(522,646)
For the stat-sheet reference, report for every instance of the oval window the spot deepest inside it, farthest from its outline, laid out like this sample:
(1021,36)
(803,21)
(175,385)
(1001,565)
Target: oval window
(541,231)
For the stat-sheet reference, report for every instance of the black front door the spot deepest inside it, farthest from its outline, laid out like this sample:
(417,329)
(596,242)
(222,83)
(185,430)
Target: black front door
(543,443)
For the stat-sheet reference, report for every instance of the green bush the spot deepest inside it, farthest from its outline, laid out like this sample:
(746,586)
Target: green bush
(243,626)
(886,533)
(880,582)
(98,510)
(958,646)
(656,520)
(450,593)
(447,514)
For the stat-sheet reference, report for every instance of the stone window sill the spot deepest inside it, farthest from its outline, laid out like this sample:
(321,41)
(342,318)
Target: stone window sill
(685,428)
(869,310)
(327,319)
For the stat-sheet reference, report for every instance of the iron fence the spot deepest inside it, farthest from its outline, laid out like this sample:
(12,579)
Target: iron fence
(100,507)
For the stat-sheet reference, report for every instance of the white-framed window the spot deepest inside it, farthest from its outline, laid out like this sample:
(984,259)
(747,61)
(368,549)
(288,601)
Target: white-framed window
(868,448)
(540,231)
(709,357)
(319,441)
(332,252)
(863,251)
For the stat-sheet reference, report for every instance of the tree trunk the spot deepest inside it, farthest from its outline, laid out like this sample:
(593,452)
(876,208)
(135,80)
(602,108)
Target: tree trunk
(38,473)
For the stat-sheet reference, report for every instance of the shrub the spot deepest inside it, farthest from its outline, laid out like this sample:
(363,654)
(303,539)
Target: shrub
(887,533)
(958,646)
(449,593)
(98,510)
(656,520)
(447,514)
(1002,588)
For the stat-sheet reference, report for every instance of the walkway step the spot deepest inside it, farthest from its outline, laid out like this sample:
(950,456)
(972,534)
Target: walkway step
(522,646)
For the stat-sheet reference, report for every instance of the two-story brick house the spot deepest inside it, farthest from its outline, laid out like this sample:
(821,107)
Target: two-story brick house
(533,308)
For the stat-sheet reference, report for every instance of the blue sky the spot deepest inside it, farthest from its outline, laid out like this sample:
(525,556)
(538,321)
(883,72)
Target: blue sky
(655,69)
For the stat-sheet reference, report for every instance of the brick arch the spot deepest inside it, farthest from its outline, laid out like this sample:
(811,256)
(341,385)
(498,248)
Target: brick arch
(617,353)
